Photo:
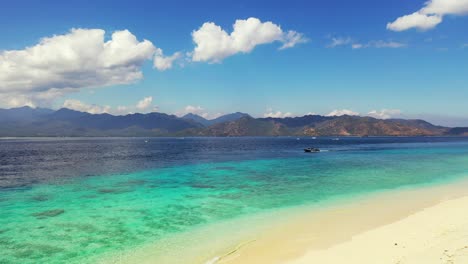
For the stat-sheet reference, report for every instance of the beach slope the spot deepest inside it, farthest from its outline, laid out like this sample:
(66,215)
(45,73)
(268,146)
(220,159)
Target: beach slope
(410,225)
(438,234)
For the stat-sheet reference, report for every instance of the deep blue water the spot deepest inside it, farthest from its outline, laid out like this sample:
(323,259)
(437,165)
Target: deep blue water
(26,161)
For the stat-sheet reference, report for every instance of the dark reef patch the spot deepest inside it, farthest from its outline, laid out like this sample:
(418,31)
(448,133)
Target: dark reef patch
(225,168)
(202,186)
(40,198)
(113,190)
(48,213)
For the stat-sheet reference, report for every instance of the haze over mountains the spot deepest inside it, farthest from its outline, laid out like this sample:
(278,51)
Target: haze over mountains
(26,121)
(221,119)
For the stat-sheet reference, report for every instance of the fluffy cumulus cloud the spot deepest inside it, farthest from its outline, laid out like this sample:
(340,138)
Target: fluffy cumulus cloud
(430,15)
(213,44)
(144,105)
(415,20)
(276,114)
(385,113)
(341,112)
(81,58)
(162,62)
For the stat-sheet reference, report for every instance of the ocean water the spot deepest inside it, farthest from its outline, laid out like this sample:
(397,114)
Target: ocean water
(77,200)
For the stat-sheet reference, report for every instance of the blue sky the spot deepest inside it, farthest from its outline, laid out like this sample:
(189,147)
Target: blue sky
(406,68)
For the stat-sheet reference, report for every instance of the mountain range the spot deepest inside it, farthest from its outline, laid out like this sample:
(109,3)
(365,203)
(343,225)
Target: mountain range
(26,121)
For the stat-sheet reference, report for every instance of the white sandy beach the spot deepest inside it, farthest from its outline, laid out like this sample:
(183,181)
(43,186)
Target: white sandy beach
(438,234)
(428,225)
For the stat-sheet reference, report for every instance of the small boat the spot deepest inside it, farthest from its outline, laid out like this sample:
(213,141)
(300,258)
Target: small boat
(311,150)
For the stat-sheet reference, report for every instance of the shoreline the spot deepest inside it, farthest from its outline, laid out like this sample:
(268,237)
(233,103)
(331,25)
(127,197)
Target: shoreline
(321,233)
(289,235)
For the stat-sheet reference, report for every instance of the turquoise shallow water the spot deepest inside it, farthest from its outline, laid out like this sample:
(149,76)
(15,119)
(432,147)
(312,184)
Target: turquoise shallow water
(80,219)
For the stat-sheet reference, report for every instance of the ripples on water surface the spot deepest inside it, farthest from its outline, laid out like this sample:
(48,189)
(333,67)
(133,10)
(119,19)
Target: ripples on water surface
(71,200)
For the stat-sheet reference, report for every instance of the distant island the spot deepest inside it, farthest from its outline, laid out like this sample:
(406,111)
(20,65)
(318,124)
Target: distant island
(42,122)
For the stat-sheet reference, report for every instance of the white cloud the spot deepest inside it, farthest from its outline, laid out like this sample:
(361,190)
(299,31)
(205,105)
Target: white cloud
(292,38)
(123,109)
(340,112)
(430,15)
(386,44)
(276,114)
(83,107)
(347,41)
(197,110)
(67,63)
(17,101)
(379,44)
(213,44)
(340,41)
(144,105)
(415,20)
(162,62)
(385,113)
(444,7)
(44,99)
